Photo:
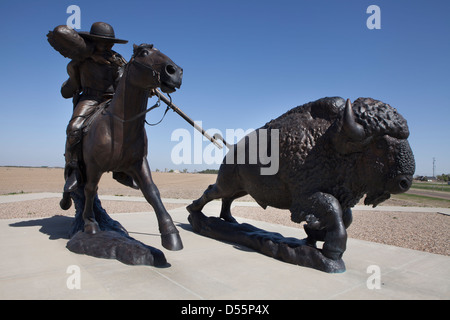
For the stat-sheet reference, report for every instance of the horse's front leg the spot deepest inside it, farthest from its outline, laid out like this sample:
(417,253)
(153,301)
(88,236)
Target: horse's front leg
(170,237)
(90,190)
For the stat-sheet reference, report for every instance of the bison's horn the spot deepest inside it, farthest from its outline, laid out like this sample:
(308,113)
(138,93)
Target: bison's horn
(352,129)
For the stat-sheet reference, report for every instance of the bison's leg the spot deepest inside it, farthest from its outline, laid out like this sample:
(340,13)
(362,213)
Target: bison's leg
(227,188)
(319,235)
(213,192)
(347,218)
(325,222)
(225,213)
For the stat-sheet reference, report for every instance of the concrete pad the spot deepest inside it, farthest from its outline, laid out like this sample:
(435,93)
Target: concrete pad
(28,196)
(445,211)
(35,265)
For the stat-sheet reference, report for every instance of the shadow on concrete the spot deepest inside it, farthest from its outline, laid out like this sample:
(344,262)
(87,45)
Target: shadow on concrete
(56,227)
(105,244)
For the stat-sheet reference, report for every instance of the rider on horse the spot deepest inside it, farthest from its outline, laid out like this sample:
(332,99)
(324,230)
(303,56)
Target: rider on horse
(94,73)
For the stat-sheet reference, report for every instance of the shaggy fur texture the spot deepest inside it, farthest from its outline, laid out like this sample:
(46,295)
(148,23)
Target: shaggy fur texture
(311,162)
(330,155)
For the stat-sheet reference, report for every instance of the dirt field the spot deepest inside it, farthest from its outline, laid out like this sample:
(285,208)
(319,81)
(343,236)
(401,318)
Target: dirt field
(420,231)
(170,185)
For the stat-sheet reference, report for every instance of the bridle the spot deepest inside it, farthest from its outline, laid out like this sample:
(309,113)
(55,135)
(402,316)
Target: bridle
(145,66)
(156,105)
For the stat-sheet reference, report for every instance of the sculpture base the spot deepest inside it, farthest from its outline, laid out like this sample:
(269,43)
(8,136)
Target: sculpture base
(113,245)
(272,244)
(105,222)
(112,242)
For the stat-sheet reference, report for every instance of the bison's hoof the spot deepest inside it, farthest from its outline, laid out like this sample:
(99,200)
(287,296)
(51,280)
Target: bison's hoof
(313,223)
(192,208)
(333,255)
(171,241)
(228,218)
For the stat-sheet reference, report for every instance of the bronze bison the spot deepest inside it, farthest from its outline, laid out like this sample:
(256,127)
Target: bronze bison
(331,154)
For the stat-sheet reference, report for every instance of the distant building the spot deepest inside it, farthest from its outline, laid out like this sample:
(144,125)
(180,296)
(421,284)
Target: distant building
(426,178)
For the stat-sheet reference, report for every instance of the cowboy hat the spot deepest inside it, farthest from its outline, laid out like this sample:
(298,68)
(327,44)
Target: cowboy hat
(101,31)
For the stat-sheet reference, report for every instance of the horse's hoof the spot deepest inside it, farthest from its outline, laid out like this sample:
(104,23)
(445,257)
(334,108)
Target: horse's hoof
(91,228)
(172,241)
(65,203)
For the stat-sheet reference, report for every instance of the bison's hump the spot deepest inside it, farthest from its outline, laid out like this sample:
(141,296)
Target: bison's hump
(376,117)
(326,108)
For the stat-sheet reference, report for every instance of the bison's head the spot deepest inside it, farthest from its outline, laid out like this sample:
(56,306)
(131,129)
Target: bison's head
(378,134)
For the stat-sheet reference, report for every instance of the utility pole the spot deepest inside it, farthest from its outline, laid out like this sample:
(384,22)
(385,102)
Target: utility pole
(434,166)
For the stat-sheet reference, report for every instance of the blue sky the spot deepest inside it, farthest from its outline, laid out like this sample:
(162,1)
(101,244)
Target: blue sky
(245,62)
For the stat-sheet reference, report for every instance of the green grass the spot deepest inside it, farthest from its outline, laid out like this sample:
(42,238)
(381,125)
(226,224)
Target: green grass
(424,200)
(431,186)
(13,193)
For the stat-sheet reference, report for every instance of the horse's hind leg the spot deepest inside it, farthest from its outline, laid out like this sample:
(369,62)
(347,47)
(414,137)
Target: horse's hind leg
(170,237)
(90,190)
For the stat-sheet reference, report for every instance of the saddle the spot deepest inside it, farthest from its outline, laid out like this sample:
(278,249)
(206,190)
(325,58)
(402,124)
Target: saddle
(90,119)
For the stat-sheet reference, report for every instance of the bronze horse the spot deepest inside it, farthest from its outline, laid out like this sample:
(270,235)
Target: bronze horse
(116,140)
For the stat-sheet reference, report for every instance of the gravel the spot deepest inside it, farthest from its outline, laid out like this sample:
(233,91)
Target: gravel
(419,231)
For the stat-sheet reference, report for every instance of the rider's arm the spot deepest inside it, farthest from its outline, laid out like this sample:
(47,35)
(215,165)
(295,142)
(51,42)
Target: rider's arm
(69,43)
(72,85)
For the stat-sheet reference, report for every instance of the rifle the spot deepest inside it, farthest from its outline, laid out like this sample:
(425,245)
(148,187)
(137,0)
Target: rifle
(169,103)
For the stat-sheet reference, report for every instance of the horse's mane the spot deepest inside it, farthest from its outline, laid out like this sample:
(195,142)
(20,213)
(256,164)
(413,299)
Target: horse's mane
(137,49)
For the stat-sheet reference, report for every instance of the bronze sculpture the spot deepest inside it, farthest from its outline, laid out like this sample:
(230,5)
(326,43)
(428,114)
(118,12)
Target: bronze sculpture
(114,138)
(330,155)
(94,73)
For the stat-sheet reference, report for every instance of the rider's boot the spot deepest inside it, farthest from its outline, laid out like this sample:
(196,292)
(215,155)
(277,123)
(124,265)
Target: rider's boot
(72,171)
(72,178)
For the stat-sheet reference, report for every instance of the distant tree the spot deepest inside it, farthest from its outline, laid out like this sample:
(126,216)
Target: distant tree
(210,171)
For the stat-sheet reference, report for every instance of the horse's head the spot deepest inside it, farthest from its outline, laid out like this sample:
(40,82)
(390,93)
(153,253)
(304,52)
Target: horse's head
(151,69)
